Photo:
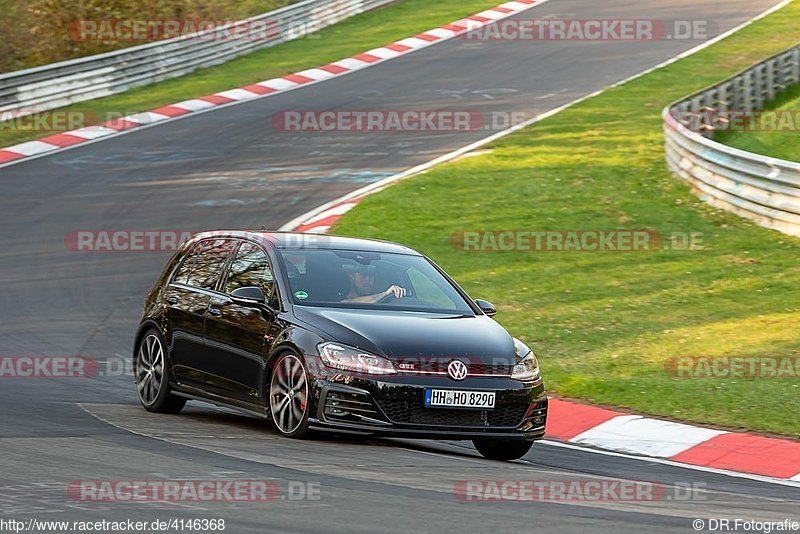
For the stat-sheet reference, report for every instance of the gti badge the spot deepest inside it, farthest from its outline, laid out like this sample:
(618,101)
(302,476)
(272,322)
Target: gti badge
(457,370)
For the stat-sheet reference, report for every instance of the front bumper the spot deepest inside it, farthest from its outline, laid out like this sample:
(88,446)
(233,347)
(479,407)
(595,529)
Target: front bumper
(394,406)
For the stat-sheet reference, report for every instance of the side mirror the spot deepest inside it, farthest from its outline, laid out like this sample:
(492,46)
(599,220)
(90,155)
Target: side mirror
(486,307)
(248,296)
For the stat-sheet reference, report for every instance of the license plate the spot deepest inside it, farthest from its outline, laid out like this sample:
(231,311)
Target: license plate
(451,398)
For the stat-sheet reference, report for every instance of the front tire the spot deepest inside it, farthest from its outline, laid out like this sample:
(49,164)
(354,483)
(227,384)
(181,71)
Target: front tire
(290,396)
(503,450)
(151,373)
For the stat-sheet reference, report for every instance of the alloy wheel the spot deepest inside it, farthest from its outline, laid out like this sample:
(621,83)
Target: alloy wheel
(288,394)
(149,370)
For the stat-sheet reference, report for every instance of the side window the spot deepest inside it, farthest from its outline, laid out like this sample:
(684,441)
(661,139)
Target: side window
(209,262)
(250,267)
(183,272)
(202,266)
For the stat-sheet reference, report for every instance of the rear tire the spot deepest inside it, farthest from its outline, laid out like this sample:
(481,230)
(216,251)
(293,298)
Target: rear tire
(151,372)
(502,449)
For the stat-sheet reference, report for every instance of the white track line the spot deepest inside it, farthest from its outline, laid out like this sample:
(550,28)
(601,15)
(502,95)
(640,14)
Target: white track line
(664,461)
(712,470)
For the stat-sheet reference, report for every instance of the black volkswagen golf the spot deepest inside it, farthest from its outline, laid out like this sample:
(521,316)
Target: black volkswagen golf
(322,333)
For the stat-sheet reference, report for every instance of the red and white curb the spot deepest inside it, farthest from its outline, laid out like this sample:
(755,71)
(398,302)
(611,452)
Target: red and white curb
(62,141)
(322,222)
(731,451)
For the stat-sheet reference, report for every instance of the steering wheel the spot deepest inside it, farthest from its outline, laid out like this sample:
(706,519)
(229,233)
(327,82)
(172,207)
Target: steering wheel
(386,298)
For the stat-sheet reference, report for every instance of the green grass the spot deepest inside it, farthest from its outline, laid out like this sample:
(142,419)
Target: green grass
(353,36)
(606,324)
(778,144)
(38,32)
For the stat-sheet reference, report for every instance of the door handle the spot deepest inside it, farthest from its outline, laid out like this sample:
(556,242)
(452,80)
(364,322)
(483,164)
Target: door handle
(216,312)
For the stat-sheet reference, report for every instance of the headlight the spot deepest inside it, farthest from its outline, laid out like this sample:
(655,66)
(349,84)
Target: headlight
(527,367)
(352,359)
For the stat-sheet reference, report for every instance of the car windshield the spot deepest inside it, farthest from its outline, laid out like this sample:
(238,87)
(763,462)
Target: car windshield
(355,279)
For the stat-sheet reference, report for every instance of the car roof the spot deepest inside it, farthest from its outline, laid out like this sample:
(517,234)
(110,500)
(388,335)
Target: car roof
(298,240)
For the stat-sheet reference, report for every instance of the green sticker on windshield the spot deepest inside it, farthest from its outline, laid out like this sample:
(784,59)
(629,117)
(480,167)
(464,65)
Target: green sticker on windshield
(301,295)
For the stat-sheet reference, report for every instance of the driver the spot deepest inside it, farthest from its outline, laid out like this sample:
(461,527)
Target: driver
(362,280)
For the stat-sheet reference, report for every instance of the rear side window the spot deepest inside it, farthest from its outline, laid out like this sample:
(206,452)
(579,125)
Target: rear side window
(250,267)
(185,269)
(203,264)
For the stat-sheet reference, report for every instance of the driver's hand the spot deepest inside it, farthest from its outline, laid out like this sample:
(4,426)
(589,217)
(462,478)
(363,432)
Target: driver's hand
(397,291)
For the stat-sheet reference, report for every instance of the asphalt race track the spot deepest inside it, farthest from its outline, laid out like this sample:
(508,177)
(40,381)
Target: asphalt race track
(230,169)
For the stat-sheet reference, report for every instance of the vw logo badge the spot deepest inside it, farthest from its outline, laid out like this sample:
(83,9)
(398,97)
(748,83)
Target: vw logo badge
(457,370)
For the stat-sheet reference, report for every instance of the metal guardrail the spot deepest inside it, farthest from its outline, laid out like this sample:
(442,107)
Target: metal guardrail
(59,84)
(763,189)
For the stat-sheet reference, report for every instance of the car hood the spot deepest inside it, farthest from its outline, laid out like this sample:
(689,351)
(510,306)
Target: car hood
(402,335)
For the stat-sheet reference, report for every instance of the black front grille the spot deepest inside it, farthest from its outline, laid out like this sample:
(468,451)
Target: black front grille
(489,369)
(415,413)
(347,406)
(538,413)
(439,365)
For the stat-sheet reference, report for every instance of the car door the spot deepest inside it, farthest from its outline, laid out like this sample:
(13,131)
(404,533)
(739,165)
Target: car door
(188,298)
(236,334)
